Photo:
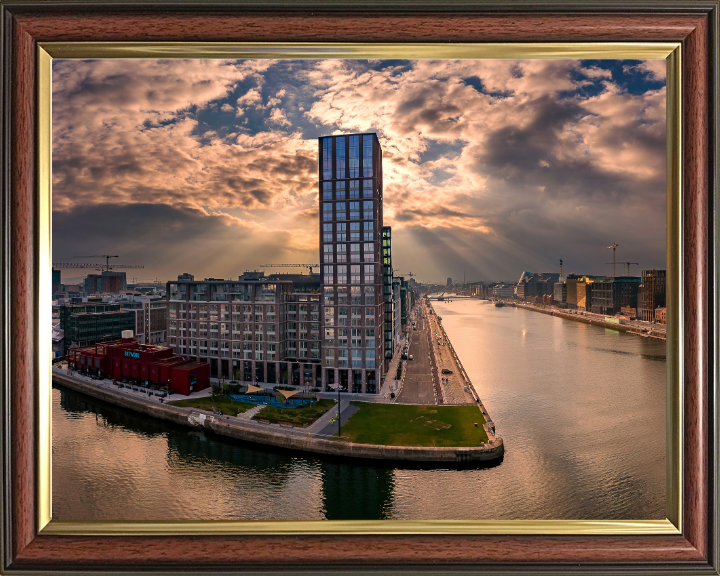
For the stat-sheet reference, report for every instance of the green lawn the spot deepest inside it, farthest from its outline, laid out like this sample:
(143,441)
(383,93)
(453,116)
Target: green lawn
(406,425)
(228,407)
(303,415)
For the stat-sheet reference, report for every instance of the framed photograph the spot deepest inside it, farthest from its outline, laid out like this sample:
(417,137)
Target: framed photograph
(259,106)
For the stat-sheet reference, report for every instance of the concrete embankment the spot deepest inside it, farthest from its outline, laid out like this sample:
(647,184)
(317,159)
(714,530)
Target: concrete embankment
(591,321)
(290,439)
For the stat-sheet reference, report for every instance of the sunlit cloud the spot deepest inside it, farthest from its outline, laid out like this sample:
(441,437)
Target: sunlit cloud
(527,159)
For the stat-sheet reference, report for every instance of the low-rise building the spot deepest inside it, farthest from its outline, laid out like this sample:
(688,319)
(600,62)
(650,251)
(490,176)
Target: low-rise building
(146,364)
(661,315)
(505,291)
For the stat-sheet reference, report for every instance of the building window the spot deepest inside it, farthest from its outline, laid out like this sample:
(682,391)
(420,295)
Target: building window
(367,210)
(367,155)
(367,188)
(369,358)
(328,253)
(355,274)
(327,211)
(327,158)
(342,274)
(341,236)
(354,157)
(354,231)
(354,210)
(339,190)
(329,295)
(368,227)
(354,189)
(340,157)
(327,191)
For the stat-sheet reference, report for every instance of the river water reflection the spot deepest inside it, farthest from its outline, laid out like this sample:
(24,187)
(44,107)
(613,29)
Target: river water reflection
(581,410)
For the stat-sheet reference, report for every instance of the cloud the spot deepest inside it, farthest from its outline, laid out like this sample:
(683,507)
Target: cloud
(167,238)
(495,162)
(654,69)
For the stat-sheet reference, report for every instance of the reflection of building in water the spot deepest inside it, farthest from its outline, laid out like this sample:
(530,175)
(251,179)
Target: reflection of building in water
(257,467)
(356,492)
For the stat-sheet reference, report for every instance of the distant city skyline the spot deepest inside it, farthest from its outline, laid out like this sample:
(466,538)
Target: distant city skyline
(491,167)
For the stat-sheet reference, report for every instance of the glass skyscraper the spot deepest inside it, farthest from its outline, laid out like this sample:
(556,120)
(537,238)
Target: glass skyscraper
(351,221)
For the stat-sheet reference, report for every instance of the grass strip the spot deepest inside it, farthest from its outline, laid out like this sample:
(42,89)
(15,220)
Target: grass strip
(411,425)
(228,407)
(300,416)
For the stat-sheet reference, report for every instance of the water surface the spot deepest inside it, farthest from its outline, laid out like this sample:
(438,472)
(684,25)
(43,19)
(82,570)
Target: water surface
(581,410)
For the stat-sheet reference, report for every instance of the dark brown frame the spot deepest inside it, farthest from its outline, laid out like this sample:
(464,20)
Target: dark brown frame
(693,23)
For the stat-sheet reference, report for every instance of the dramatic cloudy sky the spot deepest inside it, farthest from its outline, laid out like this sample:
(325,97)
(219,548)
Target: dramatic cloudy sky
(491,167)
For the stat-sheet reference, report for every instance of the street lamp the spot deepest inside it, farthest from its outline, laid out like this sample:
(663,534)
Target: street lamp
(338,412)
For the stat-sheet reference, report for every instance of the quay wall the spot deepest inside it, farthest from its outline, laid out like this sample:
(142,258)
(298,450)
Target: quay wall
(231,427)
(585,320)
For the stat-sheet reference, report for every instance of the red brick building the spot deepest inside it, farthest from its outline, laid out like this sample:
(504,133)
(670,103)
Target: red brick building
(661,315)
(141,363)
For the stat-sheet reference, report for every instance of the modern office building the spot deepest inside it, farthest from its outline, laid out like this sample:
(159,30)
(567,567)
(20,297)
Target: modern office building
(90,323)
(351,220)
(388,329)
(535,286)
(56,280)
(652,294)
(108,282)
(151,321)
(254,329)
(612,293)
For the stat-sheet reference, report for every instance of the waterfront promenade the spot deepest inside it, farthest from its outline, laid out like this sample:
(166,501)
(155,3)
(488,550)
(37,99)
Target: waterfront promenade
(637,328)
(315,440)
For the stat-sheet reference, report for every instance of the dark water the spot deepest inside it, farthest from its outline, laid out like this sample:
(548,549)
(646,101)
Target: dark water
(581,410)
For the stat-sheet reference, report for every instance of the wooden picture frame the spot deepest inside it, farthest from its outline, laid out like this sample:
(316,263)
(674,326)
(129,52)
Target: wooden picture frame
(26,25)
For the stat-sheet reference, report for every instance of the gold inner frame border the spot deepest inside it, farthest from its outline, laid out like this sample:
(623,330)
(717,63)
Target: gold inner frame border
(669,51)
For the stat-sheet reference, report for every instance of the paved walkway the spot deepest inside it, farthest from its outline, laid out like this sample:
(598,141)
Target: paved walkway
(331,428)
(451,384)
(248,414)
(321,423)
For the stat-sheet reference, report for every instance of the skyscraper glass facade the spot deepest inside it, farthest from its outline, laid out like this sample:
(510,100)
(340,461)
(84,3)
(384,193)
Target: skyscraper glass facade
(350,191)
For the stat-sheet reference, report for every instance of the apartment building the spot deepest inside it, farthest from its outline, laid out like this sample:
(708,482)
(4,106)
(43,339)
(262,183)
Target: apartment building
(255,329)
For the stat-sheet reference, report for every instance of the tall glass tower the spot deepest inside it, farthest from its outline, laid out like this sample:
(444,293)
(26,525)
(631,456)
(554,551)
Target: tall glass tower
(351,220)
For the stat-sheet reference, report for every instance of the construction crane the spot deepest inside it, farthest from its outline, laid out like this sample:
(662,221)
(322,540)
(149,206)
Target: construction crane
(615,245)
(308,266)
(628,265)
(106,267)
(106,256)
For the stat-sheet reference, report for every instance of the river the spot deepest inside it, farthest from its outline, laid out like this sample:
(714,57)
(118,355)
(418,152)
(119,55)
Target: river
(581,410)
